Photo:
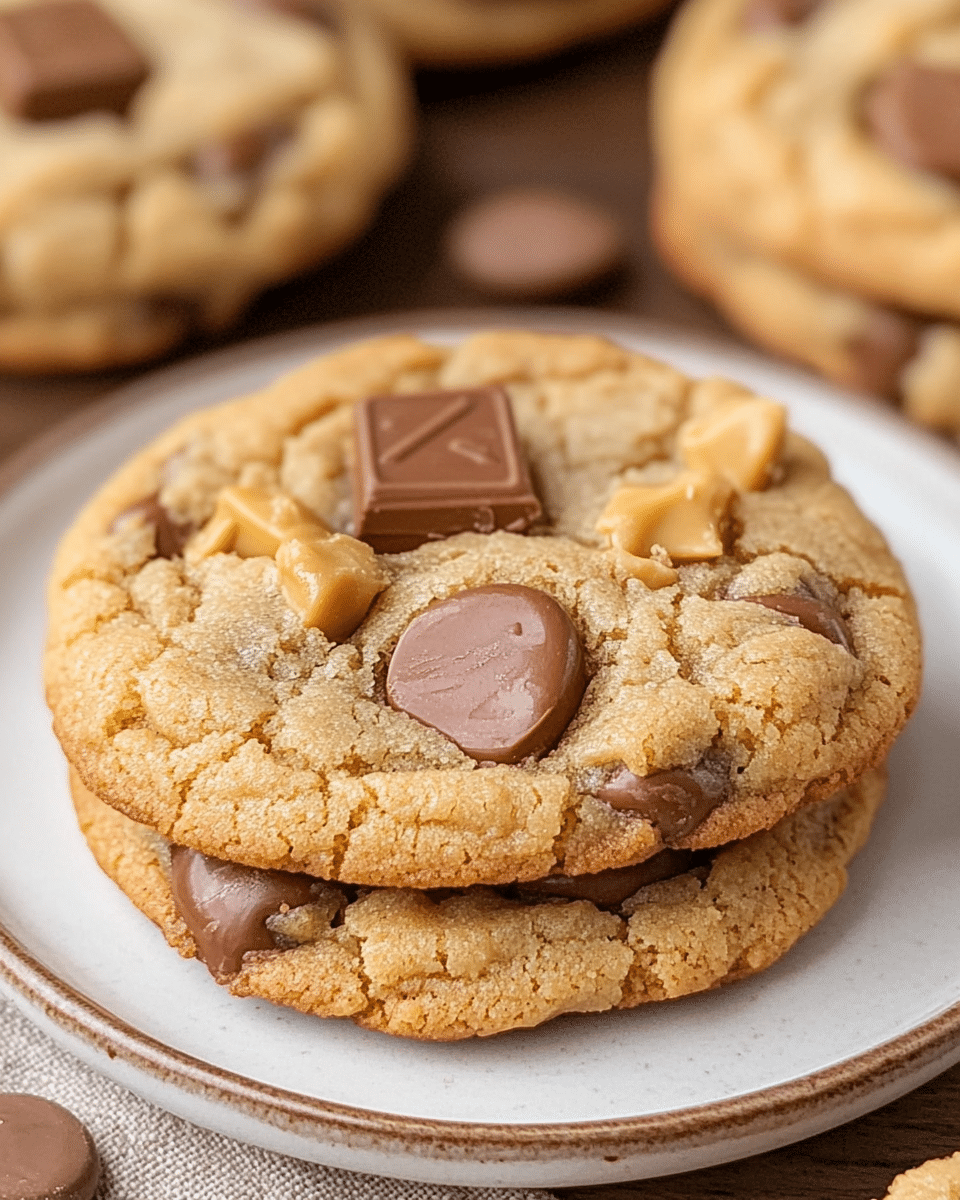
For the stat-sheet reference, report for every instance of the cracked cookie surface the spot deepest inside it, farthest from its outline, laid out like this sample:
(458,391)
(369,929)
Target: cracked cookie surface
(190,696)
(477,963)
(257,146)
(795,203)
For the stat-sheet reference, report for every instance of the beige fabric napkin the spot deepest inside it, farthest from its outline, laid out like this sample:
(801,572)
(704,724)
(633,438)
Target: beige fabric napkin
(150,1155)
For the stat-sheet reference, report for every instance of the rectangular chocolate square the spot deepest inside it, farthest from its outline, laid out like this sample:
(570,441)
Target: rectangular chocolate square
(59,58)
(432,464)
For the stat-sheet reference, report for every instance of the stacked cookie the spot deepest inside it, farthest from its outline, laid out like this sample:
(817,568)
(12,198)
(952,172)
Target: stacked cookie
(807,182)
(451,689)
(164,162)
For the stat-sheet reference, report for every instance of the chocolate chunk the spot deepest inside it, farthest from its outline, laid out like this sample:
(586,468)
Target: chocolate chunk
(498,670)
(811,613)
(609,889)
(914,113)
(433,464)
(673,801)
(529,244)
(170,536)
(775,14)
(233,167)
(65,57)
(44,1151)
(880,351)
(225,905)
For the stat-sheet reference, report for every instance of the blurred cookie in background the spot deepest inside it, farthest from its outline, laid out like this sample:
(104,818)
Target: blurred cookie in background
(807,182)
(450,33)
(163,163)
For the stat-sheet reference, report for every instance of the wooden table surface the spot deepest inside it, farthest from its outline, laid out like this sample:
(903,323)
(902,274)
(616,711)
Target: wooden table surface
(578,122)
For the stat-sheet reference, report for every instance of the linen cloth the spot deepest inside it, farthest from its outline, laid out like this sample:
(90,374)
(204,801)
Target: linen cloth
(148,1154)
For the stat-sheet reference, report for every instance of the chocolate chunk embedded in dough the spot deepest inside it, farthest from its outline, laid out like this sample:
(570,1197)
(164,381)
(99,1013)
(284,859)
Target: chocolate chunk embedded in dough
(170,536)
(880,351)
(65,57)
(673,801)
(432,464)
(499,670)
(609,889)
(914,113)
(44,1151)
(811,613)
(534,244)
(774,14)
(225,905)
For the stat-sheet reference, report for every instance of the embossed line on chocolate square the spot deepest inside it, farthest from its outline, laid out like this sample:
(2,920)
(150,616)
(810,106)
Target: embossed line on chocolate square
(432,464)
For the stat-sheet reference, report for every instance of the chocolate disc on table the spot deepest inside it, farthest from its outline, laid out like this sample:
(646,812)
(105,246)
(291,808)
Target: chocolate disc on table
(45,1153)
(532,243)
(225,905)
(499,670)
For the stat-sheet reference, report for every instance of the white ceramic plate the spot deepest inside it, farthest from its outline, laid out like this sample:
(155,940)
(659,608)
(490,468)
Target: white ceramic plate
(865,1008)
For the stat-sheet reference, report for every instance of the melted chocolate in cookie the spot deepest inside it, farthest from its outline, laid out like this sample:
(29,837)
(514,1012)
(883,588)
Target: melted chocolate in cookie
(812,613)
(774,14)
(225,905)
(880,351)
(170,536)
(499,670)
(609,889)
(673,801)
(914,113)
(44,1151)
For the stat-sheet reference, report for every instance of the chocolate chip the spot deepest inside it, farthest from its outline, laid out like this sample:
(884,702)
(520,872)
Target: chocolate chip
(775,14)
(318,12)
(432,464)
(44,1151)
(170,536)
(232,168)
(673,801)
(225,905)
(812,613)
(65,57)
(609,889)
(531,244)
(914,113)
(499,670)
(880,351)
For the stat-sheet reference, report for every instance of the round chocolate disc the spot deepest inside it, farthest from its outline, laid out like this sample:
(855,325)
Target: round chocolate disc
(499,670)
(44,1151)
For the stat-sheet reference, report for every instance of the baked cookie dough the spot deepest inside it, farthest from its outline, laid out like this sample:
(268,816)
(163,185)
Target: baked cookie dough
(938,1179)
(802,184)
(450,33)
(479,962)
(749,645)
(255,145)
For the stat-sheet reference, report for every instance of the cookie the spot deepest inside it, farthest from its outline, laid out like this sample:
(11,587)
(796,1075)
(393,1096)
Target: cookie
(938,1179)
(598,609)
(803,185)
(166,162)
(481,961)
(451,33)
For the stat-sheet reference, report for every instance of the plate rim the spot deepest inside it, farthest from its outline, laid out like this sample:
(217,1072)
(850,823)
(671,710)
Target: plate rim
(874,1071)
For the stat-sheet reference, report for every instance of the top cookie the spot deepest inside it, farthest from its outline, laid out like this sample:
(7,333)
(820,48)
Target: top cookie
(809,165)
(679,629)
(192,153)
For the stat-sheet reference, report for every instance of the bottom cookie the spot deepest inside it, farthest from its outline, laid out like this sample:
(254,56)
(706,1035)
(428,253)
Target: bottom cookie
(937,1179)
(445,965)
(854,341)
